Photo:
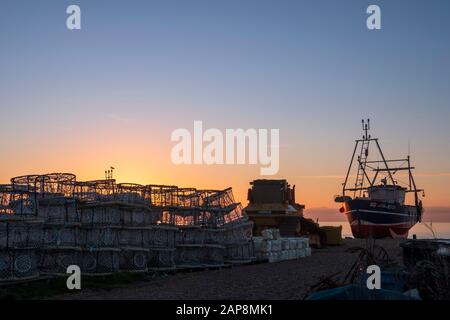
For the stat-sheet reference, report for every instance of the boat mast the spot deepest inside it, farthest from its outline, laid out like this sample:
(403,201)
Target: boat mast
(361,175)
(385,163)
(362,159)
(344,185)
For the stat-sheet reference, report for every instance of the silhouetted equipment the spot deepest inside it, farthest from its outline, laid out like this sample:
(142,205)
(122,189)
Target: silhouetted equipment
(109,174)
(51,221)
(272,205)
(374,202)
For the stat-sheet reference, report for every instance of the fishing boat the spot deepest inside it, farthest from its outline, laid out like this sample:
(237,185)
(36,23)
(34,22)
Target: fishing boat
(375,202)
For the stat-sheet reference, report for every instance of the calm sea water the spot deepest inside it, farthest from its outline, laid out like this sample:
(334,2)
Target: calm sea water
(421,230)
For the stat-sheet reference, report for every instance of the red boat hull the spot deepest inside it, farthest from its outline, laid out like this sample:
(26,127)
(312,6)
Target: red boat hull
(376,219)
(380,231)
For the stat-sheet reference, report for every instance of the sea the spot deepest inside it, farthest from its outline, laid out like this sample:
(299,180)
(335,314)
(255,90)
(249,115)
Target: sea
(425,230)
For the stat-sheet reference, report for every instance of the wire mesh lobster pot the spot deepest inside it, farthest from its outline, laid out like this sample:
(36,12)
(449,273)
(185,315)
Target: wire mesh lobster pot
(190,256)
(100,261)
(100,215)
(160,236)
(17,232)
(191,235)
(214,236)
(47,185)
(240,252)
(214,255)
(236,233)
(161,259)
(138,217)
(132,237)
(58,210)
(56,260)
(17,202)
(134,259)
(67,235)
(99,236)
(18,264)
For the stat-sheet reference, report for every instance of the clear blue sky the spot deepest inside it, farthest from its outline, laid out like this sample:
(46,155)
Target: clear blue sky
(310,68)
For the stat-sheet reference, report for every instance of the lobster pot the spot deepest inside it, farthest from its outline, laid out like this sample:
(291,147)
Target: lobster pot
(56,260)
(133,217)
(99,237)
(60,235)
(161,259)
(191,235)
(18,264)
(132,237)
(214,236)
(59,210)
(231,235)
(20,233)
(190,255)
(240,252)
(214,255)
(100,215)
(241,232)
(133,259)
(100,261)
(160,236)
(19,204)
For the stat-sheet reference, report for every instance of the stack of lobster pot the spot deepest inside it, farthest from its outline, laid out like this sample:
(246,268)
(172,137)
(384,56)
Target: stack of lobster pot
(238,242)
(130,238)
(99,238)
(144,244)
(189,247)
(160,241)
(61,235)
(215,249)
(19,238)
(199,247)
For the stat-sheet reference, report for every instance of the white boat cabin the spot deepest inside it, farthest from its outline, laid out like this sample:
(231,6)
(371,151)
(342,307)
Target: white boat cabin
(389,193)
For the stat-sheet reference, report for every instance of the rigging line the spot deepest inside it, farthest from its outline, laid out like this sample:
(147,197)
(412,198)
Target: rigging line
(401,181)
(409,146)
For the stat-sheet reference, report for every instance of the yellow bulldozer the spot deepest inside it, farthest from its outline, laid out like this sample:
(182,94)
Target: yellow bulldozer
(271,204)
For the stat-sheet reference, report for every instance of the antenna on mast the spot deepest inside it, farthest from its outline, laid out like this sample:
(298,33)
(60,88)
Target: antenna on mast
(109,173)
(409,147)
(366,128)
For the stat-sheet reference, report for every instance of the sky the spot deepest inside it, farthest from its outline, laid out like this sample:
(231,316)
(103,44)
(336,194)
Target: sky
(111,93)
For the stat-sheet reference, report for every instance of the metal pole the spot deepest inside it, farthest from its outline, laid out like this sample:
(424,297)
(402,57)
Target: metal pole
(385,163)
(349,168)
